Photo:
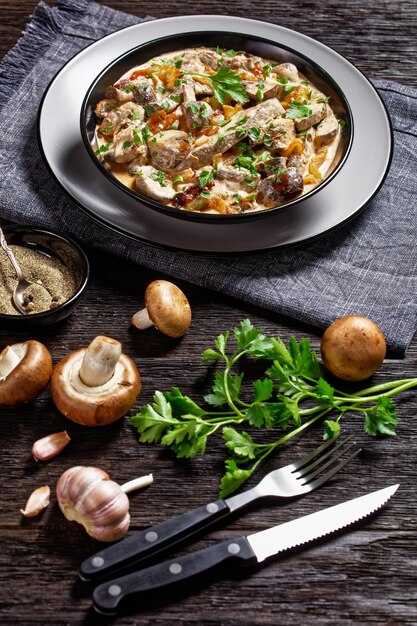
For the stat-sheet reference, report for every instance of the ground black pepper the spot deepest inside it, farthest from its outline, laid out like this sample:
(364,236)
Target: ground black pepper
(53,282)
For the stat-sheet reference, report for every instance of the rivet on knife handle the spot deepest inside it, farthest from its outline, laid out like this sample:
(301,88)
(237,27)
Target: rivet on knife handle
(107,596)
(150,541)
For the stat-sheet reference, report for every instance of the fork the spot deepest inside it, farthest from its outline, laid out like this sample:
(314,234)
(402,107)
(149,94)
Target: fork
(290,481)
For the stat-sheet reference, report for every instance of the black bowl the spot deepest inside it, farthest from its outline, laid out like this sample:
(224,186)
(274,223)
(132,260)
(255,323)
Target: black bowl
(61,249)
(254,45)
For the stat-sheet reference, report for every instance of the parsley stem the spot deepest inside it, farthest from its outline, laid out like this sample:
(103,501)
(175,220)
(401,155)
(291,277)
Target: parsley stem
(271,447)
(383,386)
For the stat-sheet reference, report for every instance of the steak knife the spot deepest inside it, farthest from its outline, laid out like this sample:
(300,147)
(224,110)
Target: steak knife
(242,551)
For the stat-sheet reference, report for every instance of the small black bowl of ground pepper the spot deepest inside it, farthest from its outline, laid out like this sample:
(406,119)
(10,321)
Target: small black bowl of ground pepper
(57,268)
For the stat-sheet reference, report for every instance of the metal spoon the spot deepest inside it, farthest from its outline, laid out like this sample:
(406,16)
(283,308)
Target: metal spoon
(22,283)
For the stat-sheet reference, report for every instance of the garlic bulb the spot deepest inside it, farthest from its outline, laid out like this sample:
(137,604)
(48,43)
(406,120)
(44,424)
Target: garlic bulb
(88,496)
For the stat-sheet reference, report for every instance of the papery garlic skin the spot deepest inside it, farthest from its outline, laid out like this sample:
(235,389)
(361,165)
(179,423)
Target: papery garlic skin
(49,446)
(88,496)
(37,502)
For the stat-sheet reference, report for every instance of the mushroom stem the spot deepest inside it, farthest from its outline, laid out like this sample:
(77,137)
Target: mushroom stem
(99,361)
(137,483)
(142,320)
(8,361)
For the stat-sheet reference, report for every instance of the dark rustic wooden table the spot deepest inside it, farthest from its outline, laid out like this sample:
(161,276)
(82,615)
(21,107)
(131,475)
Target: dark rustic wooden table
(365,576)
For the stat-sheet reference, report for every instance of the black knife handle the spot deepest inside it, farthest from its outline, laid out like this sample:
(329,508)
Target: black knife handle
(107,596)
(154,539)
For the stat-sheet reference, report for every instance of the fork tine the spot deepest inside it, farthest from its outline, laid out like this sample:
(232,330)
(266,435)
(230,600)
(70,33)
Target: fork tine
(322,479)
(315,453)
(330,453)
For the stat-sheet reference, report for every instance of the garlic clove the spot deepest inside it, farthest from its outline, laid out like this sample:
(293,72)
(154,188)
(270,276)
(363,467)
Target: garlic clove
(112,532)
(49,446)
(38,501)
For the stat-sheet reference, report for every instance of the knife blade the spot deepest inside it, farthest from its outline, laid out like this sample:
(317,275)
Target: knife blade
(246,550)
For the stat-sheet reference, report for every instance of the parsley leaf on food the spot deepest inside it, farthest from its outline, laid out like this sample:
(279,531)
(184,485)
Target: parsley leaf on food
(228,84)
(296,110)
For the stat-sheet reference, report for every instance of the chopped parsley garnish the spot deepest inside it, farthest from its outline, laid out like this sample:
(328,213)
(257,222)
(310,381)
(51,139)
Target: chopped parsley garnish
(264,156)
(148,109)
(268,141)
(193,108)
(126,144)
(289,89)
(103,148)
(305,83)
(136,115)
(223,123)
(178,179)
(127,88)
(205,177)
(267,69)
(165,105)
(175,98)
(178,63)
(230,54)
(325,99)
(146,133)
(254,133)
(159,177)
(205,194)
(342,123)
(136,138)
(303,133)
(137,173)
(203,111)
(296,110)
(260,92)
(106,129)
(245,164)
(161,89)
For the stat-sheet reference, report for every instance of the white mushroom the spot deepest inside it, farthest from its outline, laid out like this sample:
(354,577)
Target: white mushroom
(96,385)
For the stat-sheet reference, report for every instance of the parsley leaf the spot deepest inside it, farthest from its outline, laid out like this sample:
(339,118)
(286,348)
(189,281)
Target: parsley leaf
(296,110)
(381,418)
(228,84)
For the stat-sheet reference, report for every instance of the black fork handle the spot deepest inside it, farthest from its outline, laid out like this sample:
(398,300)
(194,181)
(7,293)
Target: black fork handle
(145,543)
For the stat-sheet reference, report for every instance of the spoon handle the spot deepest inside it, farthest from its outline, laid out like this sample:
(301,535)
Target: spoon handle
(9,252)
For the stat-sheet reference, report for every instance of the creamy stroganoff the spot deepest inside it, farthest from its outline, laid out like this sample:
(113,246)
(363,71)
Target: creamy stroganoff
(216,131)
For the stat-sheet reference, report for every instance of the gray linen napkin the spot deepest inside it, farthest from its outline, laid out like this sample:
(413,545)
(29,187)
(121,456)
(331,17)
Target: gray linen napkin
(368,267)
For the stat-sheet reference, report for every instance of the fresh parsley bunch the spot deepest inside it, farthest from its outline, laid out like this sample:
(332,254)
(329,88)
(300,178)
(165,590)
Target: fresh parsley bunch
(291,396)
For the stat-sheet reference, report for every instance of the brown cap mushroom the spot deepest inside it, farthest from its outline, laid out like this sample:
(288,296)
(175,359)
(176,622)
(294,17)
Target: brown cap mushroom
(167,309)
(25,369)
(96,385)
